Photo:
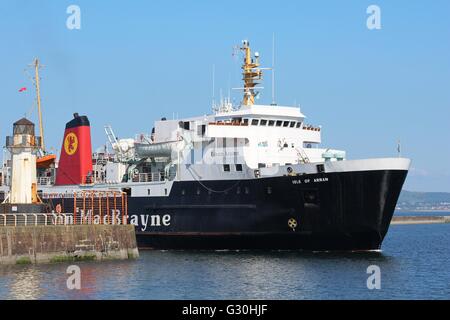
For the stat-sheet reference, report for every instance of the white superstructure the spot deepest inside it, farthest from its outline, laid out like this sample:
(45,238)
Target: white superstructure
(257,136)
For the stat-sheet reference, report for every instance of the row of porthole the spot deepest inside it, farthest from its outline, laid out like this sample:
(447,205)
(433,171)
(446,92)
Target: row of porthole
(238,191)
(310,196)
(210,191)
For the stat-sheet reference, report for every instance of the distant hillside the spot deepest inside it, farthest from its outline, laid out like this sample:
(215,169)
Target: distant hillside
(423,201)
(424,197)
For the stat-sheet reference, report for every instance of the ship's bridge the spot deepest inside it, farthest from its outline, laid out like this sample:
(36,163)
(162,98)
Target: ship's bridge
(262,134)
(263,110)
(263,120)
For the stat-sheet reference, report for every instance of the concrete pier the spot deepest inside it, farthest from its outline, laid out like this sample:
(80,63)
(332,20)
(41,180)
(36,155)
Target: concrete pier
(420,219)
(59,243)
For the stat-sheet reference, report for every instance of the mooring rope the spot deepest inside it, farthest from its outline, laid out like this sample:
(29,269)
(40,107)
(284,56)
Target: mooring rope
(209,189)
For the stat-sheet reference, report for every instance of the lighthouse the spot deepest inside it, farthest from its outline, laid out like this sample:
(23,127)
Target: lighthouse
(23,146)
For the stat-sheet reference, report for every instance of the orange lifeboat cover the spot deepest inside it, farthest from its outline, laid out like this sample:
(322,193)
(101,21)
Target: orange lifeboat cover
(45,161)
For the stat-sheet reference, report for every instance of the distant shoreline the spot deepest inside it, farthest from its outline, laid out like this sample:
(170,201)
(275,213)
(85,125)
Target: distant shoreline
(433,211)
(420,220)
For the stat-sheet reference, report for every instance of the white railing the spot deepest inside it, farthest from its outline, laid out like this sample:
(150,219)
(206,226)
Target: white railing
(148,177)
(52,219)
(45,181)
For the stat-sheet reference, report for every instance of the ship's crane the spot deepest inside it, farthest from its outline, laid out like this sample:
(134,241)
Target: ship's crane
(113,141)
(123,148)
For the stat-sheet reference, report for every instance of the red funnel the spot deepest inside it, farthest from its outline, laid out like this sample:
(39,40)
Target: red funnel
(75,162)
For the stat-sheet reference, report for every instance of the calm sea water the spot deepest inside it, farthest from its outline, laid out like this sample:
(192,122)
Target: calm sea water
(414,263)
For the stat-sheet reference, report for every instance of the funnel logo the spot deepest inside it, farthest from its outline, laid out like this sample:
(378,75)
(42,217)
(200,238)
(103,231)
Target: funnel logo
(71,143)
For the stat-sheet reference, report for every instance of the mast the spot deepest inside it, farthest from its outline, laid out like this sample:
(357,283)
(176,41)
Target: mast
(38,97)
(251,74)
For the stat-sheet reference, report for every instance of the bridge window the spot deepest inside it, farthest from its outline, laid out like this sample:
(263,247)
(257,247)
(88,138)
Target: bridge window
(299,124)
(263,122)
(271,123)
(246,122)
(255,122)
(292,124)
(286,124)
(279,123)
(226,167)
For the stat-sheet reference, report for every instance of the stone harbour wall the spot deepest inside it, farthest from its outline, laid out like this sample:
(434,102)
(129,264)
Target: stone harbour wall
(47,244)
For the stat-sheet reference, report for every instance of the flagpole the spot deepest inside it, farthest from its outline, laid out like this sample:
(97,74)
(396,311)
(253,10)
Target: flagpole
(38,95)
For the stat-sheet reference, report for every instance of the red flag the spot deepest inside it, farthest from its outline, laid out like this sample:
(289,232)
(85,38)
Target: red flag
(22,89)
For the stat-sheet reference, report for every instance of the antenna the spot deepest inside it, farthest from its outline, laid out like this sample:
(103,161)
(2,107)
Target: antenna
(229,86)
(213,86)
(273,70)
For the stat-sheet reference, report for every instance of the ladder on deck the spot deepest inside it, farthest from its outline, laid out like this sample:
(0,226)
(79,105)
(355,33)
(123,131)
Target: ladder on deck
(113,141)
(302,156)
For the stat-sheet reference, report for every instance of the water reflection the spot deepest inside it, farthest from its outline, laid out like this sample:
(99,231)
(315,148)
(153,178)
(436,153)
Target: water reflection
(412,252)
(267,275)
(25,284)
(200,275)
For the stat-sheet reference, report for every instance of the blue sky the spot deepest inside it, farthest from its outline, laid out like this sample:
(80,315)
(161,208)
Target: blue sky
(134,62)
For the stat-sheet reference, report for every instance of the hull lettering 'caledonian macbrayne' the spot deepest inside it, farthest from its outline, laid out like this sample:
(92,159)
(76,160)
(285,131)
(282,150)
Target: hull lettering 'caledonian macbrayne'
(244,177)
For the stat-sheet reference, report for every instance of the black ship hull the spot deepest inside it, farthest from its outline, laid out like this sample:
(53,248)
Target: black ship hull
(328,211)
(318,212)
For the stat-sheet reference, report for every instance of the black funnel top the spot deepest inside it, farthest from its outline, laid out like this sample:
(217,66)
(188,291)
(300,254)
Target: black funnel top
(78,121)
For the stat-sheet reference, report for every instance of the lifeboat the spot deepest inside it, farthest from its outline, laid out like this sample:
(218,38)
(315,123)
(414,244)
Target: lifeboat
(46,161)
(163,149)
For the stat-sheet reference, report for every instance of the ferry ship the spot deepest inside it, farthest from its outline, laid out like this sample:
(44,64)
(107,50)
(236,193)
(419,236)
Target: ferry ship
(243,177)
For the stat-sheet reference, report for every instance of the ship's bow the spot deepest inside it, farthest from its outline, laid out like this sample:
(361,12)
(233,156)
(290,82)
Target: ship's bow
(369,191)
